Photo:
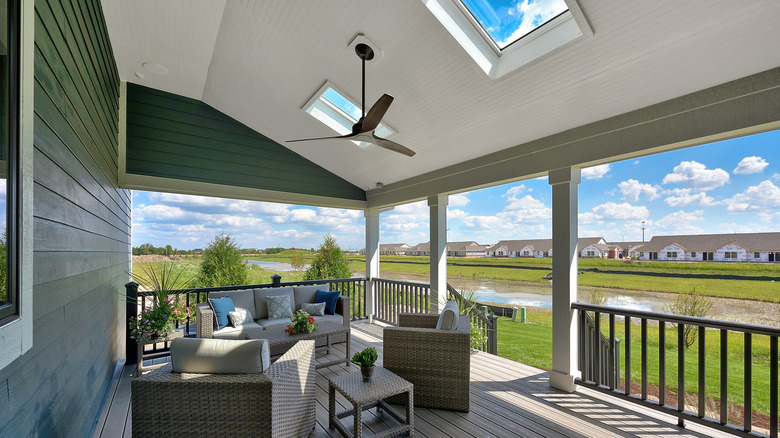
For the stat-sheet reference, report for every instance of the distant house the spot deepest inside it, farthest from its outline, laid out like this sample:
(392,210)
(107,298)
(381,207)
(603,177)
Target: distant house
(454,249)
(738,247)
(626,249)
(465,249)
(394,248)
(521,248)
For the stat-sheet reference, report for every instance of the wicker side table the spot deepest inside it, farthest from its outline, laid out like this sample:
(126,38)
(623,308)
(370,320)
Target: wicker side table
(144,342)
(365,395)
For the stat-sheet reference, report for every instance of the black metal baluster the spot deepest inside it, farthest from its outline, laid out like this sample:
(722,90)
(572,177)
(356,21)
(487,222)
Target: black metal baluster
(748,401)
(661,362)
(598,346)
(773,386)
(628,354)
(724,376)
(644,359)
(612,354)
(702,372)
(681,372)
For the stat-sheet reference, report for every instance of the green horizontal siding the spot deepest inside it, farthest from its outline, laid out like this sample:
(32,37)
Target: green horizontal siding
(172,136)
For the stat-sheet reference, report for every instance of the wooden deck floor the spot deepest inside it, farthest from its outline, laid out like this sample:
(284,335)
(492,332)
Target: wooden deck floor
(508,399)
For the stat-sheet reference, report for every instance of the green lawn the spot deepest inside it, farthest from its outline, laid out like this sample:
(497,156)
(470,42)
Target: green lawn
(531,344)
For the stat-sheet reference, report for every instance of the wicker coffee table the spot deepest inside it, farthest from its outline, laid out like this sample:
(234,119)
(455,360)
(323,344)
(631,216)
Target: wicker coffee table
(366,395)
(280,341)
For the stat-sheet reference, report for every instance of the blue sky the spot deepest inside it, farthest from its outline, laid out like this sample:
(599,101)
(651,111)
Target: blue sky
(507,20)
(725,187)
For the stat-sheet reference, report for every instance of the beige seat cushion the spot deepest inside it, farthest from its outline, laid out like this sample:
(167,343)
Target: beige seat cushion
(219,356)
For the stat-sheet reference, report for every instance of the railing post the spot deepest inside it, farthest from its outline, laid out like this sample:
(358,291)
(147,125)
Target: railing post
(131,310)
(492,338)
(276,280)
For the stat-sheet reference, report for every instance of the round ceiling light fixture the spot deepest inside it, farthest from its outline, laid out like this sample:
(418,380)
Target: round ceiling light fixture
(155,68)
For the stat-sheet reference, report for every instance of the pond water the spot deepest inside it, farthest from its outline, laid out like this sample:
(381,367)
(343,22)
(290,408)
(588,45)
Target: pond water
(521,293)
(274,266)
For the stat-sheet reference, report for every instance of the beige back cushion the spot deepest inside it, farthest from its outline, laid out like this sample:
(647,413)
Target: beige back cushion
(448,320)
(219,356)
(261,306)
(242,299)
(306,294)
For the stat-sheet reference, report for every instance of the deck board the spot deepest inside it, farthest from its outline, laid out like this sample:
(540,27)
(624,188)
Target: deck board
(508,399)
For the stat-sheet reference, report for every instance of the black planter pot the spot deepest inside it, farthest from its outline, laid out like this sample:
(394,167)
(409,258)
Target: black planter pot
(367,372)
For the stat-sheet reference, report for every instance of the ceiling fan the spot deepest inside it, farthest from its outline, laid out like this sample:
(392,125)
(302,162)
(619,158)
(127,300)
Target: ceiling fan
(363,130)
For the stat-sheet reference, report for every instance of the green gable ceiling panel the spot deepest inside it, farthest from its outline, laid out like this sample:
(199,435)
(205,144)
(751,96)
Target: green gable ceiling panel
(171,136)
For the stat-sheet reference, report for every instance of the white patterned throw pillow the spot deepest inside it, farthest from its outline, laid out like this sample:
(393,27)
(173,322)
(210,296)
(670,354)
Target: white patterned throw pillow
(239,317)
(278,307)
(314,309)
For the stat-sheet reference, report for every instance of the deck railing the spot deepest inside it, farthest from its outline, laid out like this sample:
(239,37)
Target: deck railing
(599,357)
(753,367)
(392,297)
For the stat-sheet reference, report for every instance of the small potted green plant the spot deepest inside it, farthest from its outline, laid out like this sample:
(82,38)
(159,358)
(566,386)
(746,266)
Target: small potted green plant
(366,359)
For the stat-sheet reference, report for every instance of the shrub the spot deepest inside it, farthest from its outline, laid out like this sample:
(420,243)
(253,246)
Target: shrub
(223,263)
(329,262)
(691,303)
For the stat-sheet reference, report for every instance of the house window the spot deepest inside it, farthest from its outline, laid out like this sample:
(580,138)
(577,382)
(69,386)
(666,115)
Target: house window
(730,255)
(756,255)
(525,253)
(693,254)
(671,255)
(546,254)
(653,255)
(591,253)
(9,161)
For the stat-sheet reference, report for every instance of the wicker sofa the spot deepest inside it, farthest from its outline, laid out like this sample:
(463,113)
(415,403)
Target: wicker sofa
(254,299)
(437,362)
(279,402)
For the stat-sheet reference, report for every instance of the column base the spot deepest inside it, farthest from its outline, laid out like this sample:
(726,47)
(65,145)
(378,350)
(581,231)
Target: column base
(562,381)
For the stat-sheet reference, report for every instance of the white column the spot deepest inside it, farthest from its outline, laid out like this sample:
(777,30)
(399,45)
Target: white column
(564,232)
(438,217)
(372,257)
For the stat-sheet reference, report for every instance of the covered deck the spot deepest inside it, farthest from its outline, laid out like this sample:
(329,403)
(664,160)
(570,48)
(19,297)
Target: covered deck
(508,399)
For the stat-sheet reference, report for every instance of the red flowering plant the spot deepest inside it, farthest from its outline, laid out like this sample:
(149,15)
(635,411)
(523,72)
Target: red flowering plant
(301,323)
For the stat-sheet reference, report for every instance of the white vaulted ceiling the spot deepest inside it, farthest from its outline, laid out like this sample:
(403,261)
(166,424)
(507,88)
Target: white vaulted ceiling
(260,61)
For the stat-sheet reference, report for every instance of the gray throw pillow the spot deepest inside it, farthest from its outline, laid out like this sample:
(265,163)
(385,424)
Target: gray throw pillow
(278,307)
(314,309)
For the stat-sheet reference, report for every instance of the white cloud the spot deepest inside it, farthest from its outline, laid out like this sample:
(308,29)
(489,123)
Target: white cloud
(527,208)
(460,200)
(484,222)
(756,198)
(513,192)
(596,172)
(697,176)
(633,189)
(456,214)
(776,177)
(683,197)
(624,211)
(750,165)
(680,222)
(532,13)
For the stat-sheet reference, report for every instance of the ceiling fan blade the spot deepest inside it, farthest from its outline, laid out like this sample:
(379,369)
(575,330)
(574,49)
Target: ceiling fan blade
(393,146)
(322,138)
(376,113)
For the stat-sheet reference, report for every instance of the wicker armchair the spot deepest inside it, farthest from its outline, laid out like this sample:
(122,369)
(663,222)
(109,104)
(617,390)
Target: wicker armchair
(279,402)
(437,362)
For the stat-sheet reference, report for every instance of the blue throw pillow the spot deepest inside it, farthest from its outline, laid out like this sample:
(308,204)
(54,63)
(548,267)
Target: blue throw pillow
(222,308)
(329,298)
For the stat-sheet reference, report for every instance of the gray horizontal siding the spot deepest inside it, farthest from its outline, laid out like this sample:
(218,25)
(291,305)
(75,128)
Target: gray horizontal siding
(81,227)
(176,137)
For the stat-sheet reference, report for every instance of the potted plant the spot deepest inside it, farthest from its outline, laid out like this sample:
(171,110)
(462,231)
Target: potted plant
(366,359)
(301,322)
(164,309)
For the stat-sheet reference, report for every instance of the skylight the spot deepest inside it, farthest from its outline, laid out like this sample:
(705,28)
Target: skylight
(504,35)
(339,113)
(506,21)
